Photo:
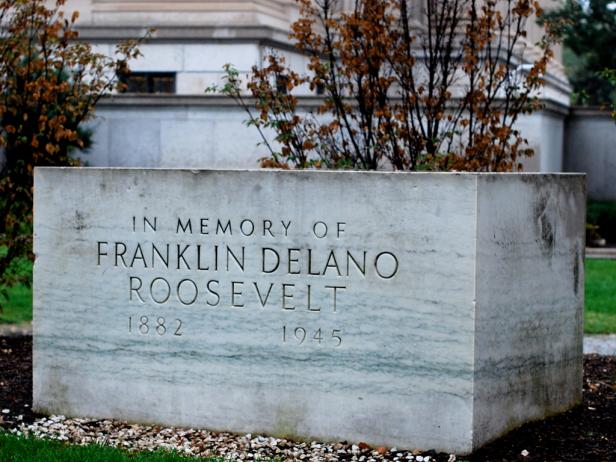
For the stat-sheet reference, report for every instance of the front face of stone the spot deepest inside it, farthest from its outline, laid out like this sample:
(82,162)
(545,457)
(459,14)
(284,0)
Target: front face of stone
(325,305)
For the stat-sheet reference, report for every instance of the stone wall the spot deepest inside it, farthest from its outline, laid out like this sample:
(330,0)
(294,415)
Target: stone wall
(193,40)
(590,147)
(187,13)
(208,132)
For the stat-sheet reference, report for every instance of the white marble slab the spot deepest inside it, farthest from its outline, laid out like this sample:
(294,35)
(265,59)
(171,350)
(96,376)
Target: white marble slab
(240,301)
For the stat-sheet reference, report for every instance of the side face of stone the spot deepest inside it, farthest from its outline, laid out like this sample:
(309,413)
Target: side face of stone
(304,304)
(530,299)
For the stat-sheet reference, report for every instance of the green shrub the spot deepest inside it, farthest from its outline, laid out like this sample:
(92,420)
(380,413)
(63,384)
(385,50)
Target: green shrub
(603,215)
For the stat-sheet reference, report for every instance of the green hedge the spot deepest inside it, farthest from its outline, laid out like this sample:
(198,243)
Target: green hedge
(603,215)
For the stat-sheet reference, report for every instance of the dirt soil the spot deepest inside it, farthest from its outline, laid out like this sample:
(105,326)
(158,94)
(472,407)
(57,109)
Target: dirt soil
(586,433)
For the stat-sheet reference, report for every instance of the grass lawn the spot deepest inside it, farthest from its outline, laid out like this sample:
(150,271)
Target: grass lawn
(599,318)
(17,449)
(600,315)
(18,307)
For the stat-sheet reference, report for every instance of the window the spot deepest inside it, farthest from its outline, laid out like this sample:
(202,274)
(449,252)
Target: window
(282,82)
(149,82)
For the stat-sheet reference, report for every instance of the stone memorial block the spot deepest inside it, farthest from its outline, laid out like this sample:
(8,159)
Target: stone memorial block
(430,310)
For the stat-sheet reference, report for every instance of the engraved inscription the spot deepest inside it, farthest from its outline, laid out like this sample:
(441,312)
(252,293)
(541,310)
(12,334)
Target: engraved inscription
(212,266)
(145,325)
(299,335)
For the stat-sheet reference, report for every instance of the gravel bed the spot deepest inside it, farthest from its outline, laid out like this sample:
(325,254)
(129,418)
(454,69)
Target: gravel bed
(210,444)
(16,330)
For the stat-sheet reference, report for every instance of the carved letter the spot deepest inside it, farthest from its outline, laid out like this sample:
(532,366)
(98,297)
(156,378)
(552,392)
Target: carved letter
(322,233)
(286,227)
(199,267)
(350,258)
(234,293)
(138,255)
(181,255)
(286,296)
(164,259)
(100,252)
(252,227)
(263,302)
(185,227)
(267,226)
(213,292)
(120,254)
(168,289)
(312,273)
(330,258)
(135,289)
(335,288)
(341,225)
(293,260)
(148,223)
(309,304)
(224,230)
(381,272)
(239,263)
(268,271)
(180,287)
(204,225)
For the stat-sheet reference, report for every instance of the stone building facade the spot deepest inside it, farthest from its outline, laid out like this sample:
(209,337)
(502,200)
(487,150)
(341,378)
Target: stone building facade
(168,121)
